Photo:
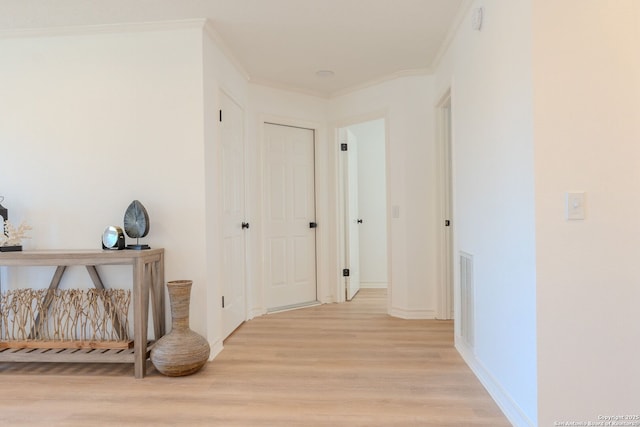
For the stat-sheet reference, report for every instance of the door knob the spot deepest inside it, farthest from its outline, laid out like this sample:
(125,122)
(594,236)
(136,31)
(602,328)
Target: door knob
(359,221)
(313,225)
(245,225)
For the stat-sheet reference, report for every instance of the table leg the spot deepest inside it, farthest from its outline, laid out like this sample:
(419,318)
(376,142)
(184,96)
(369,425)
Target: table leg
(157,292)
(140,318)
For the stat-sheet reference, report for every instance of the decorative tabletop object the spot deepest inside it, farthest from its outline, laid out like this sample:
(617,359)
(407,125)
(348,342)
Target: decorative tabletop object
(11,239)
(136,224)
(4,214)
(113,238)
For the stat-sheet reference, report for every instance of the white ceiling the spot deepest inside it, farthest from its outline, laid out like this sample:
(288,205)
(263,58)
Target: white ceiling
(281,42)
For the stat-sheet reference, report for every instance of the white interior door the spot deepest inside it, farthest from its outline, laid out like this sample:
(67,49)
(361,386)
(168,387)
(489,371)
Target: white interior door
(290,215)
(352,218)
(233,206)
(445,289)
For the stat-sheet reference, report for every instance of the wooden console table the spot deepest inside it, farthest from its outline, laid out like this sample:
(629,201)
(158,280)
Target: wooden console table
(148,281)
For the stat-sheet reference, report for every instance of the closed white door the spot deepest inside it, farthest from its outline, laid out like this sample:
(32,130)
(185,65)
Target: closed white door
(233,207)
(352,217)
(445,308)
(290,215)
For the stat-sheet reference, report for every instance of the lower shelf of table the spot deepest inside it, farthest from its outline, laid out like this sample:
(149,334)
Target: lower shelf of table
(71,355)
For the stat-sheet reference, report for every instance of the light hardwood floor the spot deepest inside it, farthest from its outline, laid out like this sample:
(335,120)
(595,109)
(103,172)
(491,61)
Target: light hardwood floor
(332,365)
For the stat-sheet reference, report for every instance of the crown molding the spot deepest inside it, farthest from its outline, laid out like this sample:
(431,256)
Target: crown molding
(134,27)
(463,10)
(379,80)
(209,30)
(346,91)
(204,25)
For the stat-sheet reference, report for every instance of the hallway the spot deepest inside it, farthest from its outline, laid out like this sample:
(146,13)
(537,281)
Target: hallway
(331,365)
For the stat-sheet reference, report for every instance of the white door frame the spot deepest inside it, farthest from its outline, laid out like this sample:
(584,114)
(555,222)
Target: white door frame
(444,139)
(339,198)
(324,294)
(349,172)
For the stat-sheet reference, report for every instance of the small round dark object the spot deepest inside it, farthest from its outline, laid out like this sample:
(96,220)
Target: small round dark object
(136,220)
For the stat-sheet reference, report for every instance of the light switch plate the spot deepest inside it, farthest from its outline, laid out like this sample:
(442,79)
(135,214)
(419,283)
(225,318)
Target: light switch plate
(575,205)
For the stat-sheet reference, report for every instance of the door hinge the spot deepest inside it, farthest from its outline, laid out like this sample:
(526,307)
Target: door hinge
(343,146)
(345,272)
(221,115)
(223,301)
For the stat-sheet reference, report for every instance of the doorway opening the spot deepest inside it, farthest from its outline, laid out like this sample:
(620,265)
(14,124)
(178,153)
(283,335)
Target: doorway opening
(363,207)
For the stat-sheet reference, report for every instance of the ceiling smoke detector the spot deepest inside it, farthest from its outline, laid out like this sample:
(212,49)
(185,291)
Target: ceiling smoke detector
(325,73)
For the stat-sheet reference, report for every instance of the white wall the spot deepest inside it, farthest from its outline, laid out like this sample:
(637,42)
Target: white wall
(489,73)
(407,105)
(372,201)
(587,126)
(89,122)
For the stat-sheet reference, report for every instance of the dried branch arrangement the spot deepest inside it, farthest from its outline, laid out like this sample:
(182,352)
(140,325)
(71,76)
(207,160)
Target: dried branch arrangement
(65,315)
(14,235)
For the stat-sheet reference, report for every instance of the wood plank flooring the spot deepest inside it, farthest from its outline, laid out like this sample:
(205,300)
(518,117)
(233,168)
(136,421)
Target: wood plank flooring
(331,365)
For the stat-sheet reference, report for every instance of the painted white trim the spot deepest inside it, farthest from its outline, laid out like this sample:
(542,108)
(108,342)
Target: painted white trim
(216,349)
(373,285)
(205,25)
(105,29)
(505,402)
(345,91)
(209,30)
(409,314)
(453,30)
(381,79)
(341,236)
(339,198)
(256,312)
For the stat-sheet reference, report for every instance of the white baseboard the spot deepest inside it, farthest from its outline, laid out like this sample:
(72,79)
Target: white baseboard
(403,313)
(256,312)
(216,349)
(509,408)
(373,285)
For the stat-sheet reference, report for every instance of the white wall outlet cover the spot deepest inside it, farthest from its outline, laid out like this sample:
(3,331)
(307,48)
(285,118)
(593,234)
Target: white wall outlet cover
(575,208)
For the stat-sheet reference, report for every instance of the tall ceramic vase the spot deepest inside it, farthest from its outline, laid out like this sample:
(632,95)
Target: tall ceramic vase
(181,351)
